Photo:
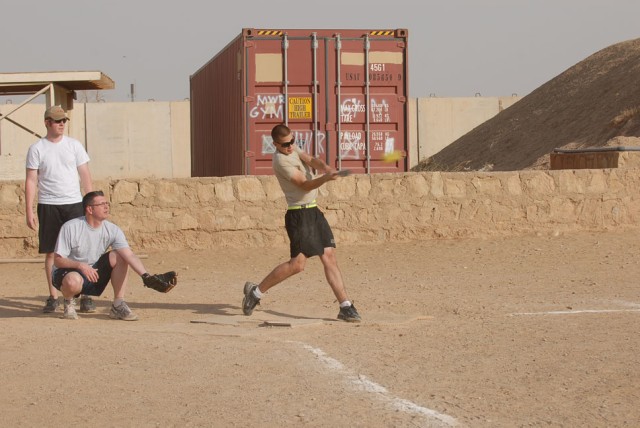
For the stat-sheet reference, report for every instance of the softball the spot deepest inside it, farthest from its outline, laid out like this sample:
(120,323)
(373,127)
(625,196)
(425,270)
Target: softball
(393,156)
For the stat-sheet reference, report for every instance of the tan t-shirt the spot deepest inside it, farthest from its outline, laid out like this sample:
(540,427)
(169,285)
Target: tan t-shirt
(284,167)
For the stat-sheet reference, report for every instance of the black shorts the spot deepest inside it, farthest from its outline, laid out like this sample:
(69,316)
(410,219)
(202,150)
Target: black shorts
(50,220)
(309,232)
(88,288)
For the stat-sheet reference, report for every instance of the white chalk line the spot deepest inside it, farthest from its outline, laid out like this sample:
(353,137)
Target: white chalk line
(572,312)
(629,304)
(364,384)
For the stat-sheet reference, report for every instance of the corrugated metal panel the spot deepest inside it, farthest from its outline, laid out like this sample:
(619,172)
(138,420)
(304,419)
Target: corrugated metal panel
(216,115)
(343,93)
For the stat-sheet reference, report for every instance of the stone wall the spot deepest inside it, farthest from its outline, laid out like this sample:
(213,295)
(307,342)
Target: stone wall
(201,213)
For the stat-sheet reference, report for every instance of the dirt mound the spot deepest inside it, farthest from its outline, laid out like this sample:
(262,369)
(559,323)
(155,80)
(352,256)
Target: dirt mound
(595,103)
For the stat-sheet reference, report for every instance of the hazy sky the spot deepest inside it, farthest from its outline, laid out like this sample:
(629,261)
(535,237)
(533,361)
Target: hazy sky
(456,47)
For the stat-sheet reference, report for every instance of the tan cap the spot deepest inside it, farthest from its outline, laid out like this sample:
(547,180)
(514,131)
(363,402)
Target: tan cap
(55,113)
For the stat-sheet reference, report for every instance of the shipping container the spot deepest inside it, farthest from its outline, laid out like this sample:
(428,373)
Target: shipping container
(343,93)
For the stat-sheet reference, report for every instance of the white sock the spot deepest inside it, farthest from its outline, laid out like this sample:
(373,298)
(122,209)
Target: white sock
(257,293)
(345,304)
(117,302)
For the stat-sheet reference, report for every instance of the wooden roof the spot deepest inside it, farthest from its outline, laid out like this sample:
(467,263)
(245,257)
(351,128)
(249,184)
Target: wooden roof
(28,83)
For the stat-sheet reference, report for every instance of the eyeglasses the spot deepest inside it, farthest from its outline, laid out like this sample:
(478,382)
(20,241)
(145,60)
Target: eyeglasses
(59,120)
(101,204)
(285,145)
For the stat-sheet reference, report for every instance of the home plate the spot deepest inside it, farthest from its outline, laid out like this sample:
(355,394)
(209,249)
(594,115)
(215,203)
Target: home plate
(241,320)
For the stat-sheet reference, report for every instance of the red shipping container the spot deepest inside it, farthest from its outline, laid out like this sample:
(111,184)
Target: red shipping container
(343,92)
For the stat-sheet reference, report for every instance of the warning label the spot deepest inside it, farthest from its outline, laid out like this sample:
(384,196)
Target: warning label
(300,108)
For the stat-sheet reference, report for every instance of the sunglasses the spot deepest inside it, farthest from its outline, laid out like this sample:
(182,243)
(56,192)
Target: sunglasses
(59,120)
(285,145)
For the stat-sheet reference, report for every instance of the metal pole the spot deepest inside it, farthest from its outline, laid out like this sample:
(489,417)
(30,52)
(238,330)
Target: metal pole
(367,46)
(285,47)
(338,99)
(314,115)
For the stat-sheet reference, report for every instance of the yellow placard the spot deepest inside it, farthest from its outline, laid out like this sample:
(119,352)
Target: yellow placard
(300,108)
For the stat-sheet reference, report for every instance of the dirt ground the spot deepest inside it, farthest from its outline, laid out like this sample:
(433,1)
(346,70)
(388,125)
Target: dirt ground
(524,331)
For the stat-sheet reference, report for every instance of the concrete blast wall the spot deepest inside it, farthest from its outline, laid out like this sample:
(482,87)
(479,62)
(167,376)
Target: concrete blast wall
(152,139)
(124,140)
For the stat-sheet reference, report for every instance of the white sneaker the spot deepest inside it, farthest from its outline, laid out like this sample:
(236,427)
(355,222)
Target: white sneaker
(70,310)
(122,312)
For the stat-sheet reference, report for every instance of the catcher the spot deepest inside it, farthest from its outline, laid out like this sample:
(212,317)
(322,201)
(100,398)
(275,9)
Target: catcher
(83,263)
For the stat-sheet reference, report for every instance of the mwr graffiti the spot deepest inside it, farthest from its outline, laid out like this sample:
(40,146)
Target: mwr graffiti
(268,107)
(303,139)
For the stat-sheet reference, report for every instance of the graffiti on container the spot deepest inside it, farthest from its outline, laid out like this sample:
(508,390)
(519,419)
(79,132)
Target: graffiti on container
(380,111)
(349,110)
(268,107)
(352,107)
(303,139)
(353,144)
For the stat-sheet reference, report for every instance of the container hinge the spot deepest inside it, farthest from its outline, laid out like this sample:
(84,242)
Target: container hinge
(249,154)
(249,44)
(249,99)
(402,99)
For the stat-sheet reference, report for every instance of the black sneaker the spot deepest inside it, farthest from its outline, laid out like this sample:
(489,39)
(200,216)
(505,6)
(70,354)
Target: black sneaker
(250,300)
(87,305)
(349,314)
(51,305)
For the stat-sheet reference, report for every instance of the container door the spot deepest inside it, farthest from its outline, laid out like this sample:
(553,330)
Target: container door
(370,93)
(343,97)
(282,87)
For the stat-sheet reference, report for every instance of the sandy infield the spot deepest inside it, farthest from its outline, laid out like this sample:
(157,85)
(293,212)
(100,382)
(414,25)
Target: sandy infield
(522,331)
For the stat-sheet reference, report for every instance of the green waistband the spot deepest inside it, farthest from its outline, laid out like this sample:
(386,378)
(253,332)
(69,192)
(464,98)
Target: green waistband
(311,204)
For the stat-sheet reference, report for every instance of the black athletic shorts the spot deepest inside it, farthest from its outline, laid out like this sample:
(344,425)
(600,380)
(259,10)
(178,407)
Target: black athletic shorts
(50,220)
(309,232)
(88,288)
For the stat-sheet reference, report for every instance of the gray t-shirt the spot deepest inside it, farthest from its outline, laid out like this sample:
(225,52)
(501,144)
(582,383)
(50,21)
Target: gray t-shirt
(285,167)
(80,242)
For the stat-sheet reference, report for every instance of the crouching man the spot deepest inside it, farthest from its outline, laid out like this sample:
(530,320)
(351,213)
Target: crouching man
(83,264)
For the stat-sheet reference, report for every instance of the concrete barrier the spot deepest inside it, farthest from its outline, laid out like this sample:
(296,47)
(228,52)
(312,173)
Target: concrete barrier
(152,139)
(124,140)
(201,213)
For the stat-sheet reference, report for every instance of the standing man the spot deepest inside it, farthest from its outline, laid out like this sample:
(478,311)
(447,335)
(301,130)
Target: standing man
(57,166)
(84,264)
(308,230)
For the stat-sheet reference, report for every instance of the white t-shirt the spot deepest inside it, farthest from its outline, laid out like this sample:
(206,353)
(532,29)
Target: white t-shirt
(82,243)
(284,166)
(57,165)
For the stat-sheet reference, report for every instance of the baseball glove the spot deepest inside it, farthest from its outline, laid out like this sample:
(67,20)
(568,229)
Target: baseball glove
(162,282)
